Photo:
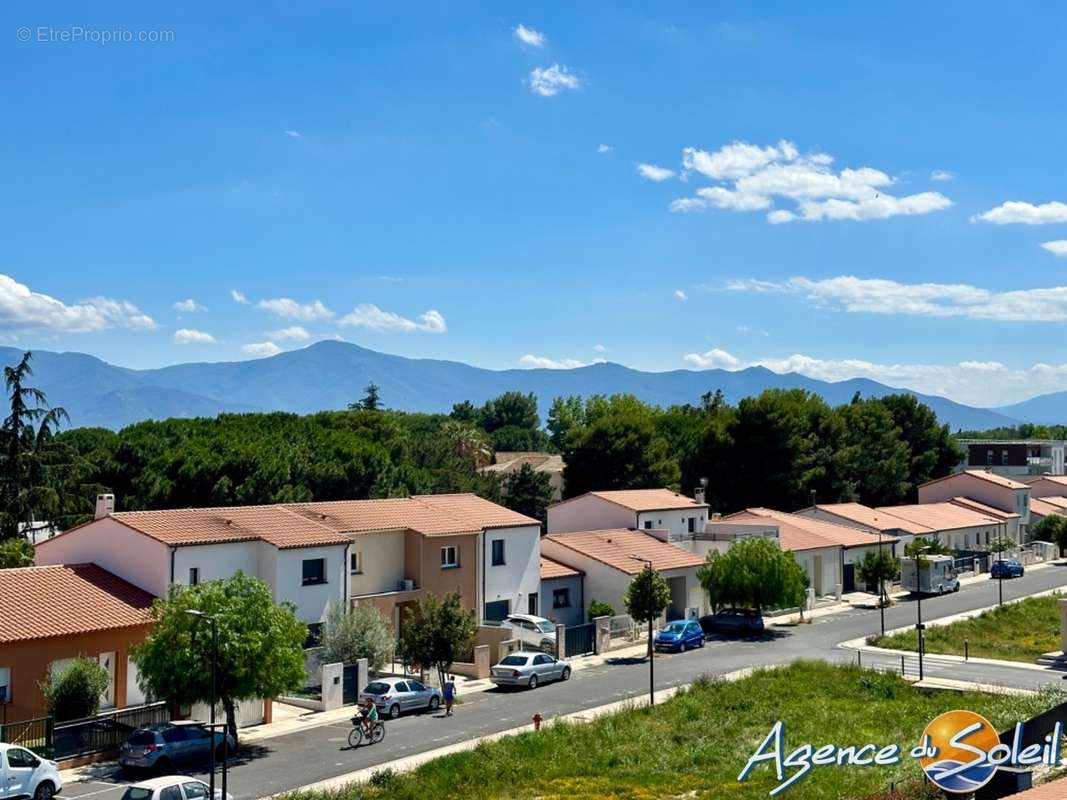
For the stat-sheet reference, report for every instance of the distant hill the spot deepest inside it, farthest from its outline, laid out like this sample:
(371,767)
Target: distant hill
(1045,409)
(330,374)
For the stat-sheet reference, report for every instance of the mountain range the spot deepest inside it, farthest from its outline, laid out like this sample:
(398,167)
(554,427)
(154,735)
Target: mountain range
(331,374)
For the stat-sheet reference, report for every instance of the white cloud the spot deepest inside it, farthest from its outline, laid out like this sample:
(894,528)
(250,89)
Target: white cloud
(261,349)
(980,383)
(680,294)
(190,336)
(529,36)
(654,173)
(294,134)
(189,306)
(942,175)
(543,362)
(603,148)
(1017,212)
(1057,247)
(296,333)
(713,359)
(23,309)
(599,348)
(882,296)
(238,297)
(291,309)
(368,315)
(753,178)
(550,81)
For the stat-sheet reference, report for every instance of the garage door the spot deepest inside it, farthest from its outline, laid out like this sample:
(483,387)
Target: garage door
(497,610)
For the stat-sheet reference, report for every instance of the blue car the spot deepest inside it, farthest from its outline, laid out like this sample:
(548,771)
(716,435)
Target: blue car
(680,636)
(1006,569)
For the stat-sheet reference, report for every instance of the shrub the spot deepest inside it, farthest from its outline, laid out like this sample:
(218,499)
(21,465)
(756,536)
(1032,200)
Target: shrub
(598,608)
(73,690)
(361,633)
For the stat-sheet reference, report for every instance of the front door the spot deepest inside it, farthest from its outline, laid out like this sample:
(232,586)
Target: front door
(816,583)
(531,606)
(497,610)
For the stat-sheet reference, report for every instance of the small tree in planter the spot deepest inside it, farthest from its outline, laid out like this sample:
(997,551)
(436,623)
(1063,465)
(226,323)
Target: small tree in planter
(361,633)
(646,597)
(436,634)
(877,568)
(598,608)
(73,690)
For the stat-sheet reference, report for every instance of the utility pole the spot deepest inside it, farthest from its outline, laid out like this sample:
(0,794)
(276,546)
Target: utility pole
(651,644)
(214,681)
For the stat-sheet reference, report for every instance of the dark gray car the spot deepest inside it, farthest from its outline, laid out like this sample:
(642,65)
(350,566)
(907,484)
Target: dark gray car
(160,747)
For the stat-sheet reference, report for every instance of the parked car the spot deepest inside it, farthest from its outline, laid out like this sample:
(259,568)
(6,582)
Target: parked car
(529,669)
(734,622)
(680,635)
(25,774)
(172,787)
(161,746)
(1007,568)
(537,633)
(393,696)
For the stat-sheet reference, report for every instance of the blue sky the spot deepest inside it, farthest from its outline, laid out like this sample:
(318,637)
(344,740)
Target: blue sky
(824,185)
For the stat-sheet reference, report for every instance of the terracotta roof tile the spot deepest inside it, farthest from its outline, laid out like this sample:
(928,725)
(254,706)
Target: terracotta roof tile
(872,518)
(942,516)
(981,474)
(982,508)
(644,499)
(553,569)
(277,525)
(1041,507)
(796,532)
(41,602)
(615,546)
(473,510)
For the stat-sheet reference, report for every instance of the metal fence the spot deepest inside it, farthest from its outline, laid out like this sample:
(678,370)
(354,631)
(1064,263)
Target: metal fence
(104,732)
(580,639)
(34,734)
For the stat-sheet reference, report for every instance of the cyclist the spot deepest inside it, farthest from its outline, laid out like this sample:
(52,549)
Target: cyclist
(368,715)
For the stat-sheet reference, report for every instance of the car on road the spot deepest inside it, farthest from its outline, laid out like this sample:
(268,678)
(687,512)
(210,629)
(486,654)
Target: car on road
(535,633)
(161,746)
(680,636)
(23,773)
(529,669)
(394,696)
(733,622)
(1006,568)
(172,787)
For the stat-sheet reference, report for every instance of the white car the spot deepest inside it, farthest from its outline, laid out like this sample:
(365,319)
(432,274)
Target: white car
(172,787)
(25,774)
(535,633)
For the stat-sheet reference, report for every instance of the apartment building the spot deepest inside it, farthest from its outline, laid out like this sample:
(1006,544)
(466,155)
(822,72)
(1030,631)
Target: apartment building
(1015,457)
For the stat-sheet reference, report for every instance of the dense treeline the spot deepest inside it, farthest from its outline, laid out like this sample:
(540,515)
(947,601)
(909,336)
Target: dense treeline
(1024,430)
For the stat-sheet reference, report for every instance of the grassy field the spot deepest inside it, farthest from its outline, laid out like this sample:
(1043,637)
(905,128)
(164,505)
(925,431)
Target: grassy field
(1014,632)
(696,744)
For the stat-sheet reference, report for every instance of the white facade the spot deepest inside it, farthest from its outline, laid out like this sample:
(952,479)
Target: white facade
(592,513)
(520,574)
(963,484)
(674,521)
(823,568)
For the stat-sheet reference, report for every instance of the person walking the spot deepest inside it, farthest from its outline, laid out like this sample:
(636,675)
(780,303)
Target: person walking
(450,694)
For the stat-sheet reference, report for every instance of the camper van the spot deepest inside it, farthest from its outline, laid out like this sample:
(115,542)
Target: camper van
(935,575)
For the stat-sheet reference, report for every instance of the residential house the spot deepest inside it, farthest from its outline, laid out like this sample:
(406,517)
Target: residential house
(1041,507)
(1009,519)
(957,526)
(1015,457)
(865,518)
(998,491)
(1047,486)
(57,613)
(550,464)
(611,558)
(642,509)
(563,593)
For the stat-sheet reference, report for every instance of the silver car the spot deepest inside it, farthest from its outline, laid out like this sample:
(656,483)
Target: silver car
(529,669)
(393,696)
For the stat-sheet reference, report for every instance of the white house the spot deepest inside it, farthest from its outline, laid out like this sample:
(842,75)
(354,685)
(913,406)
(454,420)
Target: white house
(993,490)
(643,509)
(865,518)
(611,558)
(956,525)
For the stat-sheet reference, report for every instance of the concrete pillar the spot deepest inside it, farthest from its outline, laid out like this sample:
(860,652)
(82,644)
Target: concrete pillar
(362,675)
(603,634)
(1063,624)
(481,661)
(838,591)
(561,641)
(809,599)
(333,688)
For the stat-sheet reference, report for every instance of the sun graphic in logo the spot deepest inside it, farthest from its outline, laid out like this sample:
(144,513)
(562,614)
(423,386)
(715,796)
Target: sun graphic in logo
(944,768)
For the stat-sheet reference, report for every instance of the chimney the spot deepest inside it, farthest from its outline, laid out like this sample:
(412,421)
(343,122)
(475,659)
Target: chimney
(105,506)
(699,492)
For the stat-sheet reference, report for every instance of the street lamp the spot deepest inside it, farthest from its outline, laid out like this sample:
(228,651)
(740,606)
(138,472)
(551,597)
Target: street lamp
(919,627)
(1000,558)
(881,581)
(211,726)
(651,646)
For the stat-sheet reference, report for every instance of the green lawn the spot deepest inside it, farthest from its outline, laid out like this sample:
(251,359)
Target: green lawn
(696,744)
(1014,632)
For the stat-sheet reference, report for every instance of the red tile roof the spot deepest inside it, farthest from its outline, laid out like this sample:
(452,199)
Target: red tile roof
(614,547)
(553,569)
(982,508)
(981,474)
(942,516)
(796,532)
(41,602)
(645,499)
(1040,507)
(872,518)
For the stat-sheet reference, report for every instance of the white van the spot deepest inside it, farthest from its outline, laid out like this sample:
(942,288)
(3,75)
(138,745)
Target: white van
(25,774)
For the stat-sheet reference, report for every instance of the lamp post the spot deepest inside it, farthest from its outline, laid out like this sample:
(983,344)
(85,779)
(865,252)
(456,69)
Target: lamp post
(1000,572)
(881,582)
(211,726)
(919,627)
(651,646)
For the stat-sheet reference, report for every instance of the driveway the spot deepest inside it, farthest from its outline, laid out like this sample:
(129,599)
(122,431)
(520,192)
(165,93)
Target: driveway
(287,762)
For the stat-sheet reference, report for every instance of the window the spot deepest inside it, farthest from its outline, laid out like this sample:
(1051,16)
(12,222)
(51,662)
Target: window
(314,635)
(194,790)
(1004,457)
(5,684)
(174,735)
(415,686)
(989,458)
(561,598)
(355,563)
(314,571)
(648,524)
(18,758)
(498,552)
(170,793)
(692,524)
(400,686)
(449,557)
(194,576)
(542,660)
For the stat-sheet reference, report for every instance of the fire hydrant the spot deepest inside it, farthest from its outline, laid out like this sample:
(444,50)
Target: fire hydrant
(537,721)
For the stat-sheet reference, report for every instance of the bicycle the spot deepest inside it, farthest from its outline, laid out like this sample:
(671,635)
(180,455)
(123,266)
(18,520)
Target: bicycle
(358,734)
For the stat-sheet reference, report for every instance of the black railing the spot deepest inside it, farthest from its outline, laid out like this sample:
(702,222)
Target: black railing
(33,734)
(104,732)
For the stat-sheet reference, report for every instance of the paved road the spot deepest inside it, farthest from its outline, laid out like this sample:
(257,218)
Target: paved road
(297,759)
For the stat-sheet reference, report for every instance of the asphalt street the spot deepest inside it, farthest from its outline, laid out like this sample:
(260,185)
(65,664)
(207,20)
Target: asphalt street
(298,759)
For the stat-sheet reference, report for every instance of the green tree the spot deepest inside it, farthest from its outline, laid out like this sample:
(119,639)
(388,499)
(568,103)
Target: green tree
(618,450)
(932,452)
(598,608)
(871,462)
(565,415)
(73,689)
(646,597)
(371,401)
(260,645)
(16,552)
(470,444)
(753,573)
(436,633)
(464,412)
(921,546)
(528,492)
(512,422)
(361,633)
(1000,545)
(1052,528)
(877,568)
